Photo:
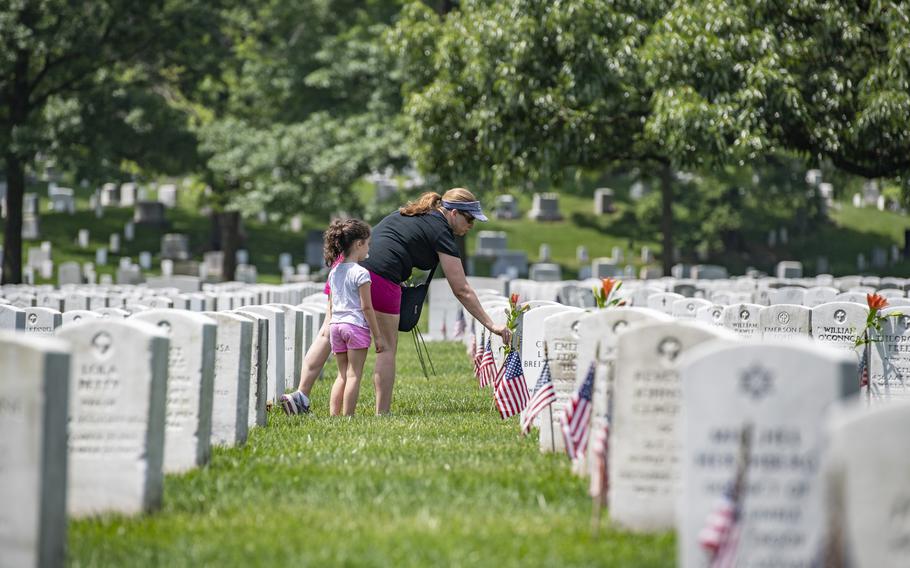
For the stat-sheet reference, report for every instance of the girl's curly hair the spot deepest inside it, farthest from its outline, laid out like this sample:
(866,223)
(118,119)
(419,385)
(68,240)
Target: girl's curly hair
(340,235)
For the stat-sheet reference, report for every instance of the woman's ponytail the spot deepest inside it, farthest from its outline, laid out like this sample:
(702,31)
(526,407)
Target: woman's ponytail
(429,201)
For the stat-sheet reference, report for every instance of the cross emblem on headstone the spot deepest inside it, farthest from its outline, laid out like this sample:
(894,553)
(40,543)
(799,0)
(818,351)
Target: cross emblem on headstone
(102,343)
(669,348)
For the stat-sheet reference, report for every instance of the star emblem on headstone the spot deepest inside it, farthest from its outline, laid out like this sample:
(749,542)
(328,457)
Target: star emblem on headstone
(744,315)
(33,318)
(716,314)
(756,382)
(690,306)
(669,348)
(102,343)
(840,316)
(783,318)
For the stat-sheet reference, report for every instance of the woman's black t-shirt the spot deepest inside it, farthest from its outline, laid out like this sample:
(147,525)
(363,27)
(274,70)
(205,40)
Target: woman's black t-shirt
(400,243)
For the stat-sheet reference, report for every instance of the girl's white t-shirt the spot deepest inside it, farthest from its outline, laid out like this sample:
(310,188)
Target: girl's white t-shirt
(345,281)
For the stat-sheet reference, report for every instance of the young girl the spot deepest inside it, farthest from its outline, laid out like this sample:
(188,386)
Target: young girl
(351,314)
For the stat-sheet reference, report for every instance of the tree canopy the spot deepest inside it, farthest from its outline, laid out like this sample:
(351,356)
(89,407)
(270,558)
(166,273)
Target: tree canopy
(283,106)
(739,80)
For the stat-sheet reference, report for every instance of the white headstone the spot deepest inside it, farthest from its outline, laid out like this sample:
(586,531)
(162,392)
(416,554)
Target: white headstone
(889,368)
(443,310)
(743,319)
(788,295)
(644,446)
(231,400)
(11,318)
(597,336)
(867,494)
(191,367)
(34,394)
(783,321)
(663,301)
(818,295)
(532,342)
(42,321)
(687,308)
(145,260)
(258,378)
(296,336)
(561,336)
(789,269)
(118,387)
(167,194)
(275,367)
(780,393)
(838,324)
(73,316)
(711,315)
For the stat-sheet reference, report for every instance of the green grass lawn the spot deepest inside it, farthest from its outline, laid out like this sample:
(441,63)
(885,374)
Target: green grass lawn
(443,482)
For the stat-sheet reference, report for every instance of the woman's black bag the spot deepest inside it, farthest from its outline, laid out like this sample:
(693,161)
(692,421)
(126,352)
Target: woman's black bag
(412,299)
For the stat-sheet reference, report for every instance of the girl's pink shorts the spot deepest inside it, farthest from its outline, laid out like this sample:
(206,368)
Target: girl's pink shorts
(344,336)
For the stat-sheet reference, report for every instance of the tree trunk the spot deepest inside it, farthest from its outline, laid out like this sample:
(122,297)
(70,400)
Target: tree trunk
(230,241)
(17,98)
(215,231)
(666,216)
(12,234)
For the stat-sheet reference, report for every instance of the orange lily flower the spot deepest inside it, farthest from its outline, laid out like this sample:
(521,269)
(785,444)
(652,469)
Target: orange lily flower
(514,299)
(608,284)
(876,302)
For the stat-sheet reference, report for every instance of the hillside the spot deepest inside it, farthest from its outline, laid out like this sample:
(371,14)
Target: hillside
(852,231)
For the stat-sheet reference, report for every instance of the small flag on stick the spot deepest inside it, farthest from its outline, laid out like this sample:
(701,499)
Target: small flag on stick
(576,421)
(544,395)
(511,393)
(477,353)
(487,366)
(720,535)
(460,324)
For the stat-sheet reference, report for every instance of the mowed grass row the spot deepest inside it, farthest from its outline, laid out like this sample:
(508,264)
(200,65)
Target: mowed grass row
(442,482)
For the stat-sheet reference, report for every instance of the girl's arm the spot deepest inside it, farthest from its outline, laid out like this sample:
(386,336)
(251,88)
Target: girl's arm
(328,312)
(366,304)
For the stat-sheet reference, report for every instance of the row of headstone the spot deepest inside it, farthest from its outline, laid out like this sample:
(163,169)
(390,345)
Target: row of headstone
(96,405)
(695,410)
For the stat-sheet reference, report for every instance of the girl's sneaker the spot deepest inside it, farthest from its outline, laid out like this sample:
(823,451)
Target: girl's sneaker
(295,403)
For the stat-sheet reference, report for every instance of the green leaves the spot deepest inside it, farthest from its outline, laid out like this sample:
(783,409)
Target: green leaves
(521,90)
(735,81)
